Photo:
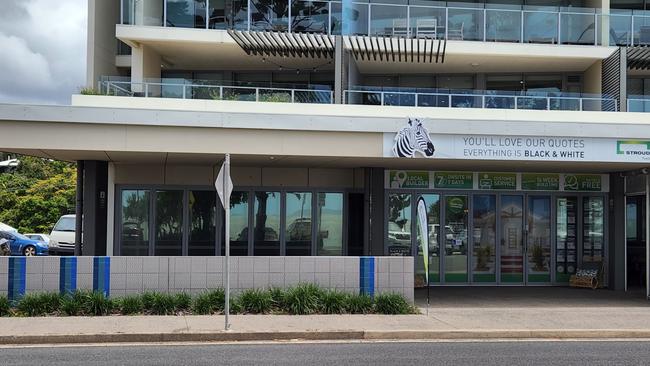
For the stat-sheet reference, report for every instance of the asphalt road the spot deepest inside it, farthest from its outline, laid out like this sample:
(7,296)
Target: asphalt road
(367,354)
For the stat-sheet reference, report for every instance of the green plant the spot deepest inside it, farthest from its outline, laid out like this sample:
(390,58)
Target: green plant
(277,295)
(235,306)
(183,301)
(275,97)
(162,304)
(89,91)
(209,302)
(359,304)
(334,302)
(391,303)
(303,299)
(97,304)
(71,305)
(38,304)
(130,305)
(5,306)
(537,253)
(256,301)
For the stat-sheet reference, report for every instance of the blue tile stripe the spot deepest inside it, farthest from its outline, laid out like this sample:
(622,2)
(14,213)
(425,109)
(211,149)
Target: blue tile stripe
(68,275)
(16,278)
(367,276)
(102,275)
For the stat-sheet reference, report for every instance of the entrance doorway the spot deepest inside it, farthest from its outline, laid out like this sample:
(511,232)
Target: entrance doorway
(635,232)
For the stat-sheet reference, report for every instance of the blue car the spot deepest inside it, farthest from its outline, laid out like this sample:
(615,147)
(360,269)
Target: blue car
(22,245)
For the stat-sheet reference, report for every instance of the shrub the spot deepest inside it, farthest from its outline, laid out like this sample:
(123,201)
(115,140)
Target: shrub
(235,306)
(256,301)
(183,301)
(162,304)
(303,299)
(89,91)
(38,304)
(334,302)
(209,302)
(71,305)
(277,296)
(130,305)
(391,303)
(147,300)
(97,304)
(5,306)
(51,302)
(358,304)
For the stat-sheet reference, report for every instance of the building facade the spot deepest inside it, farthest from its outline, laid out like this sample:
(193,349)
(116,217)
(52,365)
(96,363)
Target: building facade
(497,144)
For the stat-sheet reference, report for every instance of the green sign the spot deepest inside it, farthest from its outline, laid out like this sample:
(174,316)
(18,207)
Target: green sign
(497,181)
(583,182)
(540,182)
(457,180)
(408,179)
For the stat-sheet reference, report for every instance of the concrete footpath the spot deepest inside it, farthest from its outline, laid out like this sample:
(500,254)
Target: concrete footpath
(441,323)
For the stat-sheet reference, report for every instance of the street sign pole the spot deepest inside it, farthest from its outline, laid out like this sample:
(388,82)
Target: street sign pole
(226,206)
(224,186)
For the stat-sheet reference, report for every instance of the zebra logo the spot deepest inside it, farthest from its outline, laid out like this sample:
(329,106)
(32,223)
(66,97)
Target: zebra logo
(414,137)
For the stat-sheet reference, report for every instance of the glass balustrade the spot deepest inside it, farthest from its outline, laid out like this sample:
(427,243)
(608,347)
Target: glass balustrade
(638,103)
(420,19)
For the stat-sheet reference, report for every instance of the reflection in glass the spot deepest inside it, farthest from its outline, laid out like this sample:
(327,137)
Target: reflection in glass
(228,14)
(578,29)
(465,24)
(399,224)
(539,239)
(270,15)
(309,16)
(202,211)
(299,225)
(238,224)
(427,22)
(512,248)
(355,21)
(484,234)
(503,26)
(540,27)
(135,222)
(389,21)
(456,239)
(186,13)
(432,203)
(592,229)
(566,238)
(169,223)
(266,234)
(329,224)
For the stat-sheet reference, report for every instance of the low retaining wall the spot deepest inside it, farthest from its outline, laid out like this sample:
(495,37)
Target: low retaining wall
(118,276)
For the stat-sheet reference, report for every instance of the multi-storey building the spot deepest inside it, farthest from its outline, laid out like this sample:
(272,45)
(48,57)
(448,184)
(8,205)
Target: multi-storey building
(502,140)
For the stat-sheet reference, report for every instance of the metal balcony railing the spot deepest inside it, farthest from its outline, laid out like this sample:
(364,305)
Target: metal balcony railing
(424,19)
(629,27)
(481,99)
(196,89)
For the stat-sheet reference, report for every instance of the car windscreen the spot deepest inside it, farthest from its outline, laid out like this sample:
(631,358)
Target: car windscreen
(65,224)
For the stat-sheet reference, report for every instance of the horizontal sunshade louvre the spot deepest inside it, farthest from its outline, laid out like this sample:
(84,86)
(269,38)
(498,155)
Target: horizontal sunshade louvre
(392,49)
(284,44)
(638,58)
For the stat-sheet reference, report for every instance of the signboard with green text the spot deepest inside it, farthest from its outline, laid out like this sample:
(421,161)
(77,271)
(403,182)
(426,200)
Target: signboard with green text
(540,182)
(583,182)
(497,181)
(454,180)
(408,179)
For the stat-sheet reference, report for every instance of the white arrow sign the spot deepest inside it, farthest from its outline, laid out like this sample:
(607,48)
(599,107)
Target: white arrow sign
(221,187)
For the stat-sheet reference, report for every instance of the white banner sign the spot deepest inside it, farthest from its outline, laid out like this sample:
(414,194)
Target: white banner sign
(496,147)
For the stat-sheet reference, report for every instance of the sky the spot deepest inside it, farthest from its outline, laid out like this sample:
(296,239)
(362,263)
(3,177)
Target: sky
(42,50)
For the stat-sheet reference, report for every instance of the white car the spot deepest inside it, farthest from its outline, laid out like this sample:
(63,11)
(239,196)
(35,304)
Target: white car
(62,236)
(40,237)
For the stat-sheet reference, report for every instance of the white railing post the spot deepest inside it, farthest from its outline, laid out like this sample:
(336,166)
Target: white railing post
(369,19)
(595,29)
(548,103)
(582,108)
(121,11)
(483,101)
(257,94)
(485,25)
(146,90)
(521,36)
(293,95)
(329,17)
(248,15)
(164,14)
(416,100)
(408,21)
(559,27)
(184,95)
(449,100)
(381,97)
(332,97)
(516,102)
(632,31)
(221,93)
(207,14)
(289,27)
(446,23)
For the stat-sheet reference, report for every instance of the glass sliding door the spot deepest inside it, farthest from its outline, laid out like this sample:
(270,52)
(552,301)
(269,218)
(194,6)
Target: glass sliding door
(512,239)
(399,224)
(239,223)
(456,239)
(298,223)
(202,221)
(186,13)
(592,229)
(539,239)
(432,205)
(168,223)
(134,230)
(329,224)
(266,233)
(484,211)
(566,239)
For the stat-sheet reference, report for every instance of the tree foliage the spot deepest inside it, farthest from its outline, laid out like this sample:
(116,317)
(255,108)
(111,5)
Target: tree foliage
(37,193)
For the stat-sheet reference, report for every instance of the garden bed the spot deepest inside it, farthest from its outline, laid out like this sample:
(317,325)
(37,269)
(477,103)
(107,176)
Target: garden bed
(304,299)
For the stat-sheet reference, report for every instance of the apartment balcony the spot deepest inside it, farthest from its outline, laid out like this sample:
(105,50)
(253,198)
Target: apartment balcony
(638,103)
(629,27)
(489,99)
(421,19)
(212,90)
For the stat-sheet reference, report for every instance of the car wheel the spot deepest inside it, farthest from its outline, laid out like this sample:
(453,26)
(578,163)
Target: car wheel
(29,251)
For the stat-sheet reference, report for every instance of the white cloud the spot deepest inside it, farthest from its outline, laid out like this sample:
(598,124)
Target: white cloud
(43,43)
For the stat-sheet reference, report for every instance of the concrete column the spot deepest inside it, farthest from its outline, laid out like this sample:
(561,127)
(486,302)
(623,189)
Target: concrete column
(374,196)
(95,204)
(593,82)
(110,209)
(616,269)
(149,13)
(101,43)
(145,65)
(623,79)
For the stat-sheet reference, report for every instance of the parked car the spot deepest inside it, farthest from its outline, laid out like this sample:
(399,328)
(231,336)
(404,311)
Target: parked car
(5,227)
(19,244)
(40,237)
(62,236)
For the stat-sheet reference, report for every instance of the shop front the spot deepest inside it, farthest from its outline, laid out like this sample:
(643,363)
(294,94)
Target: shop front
(486,228)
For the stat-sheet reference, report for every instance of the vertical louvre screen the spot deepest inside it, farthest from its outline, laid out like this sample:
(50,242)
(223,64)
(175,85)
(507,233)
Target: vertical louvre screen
(612,80)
